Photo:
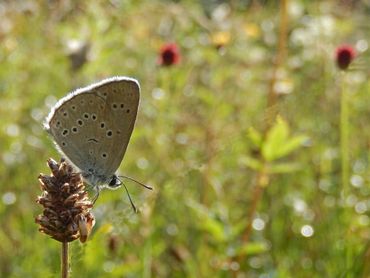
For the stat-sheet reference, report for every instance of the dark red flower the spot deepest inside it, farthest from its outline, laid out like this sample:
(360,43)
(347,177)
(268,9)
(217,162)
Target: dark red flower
(169,54)
(344,56)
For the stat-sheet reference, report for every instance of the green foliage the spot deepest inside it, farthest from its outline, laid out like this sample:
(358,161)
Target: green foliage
(253,248)
(278,144)
(204,137)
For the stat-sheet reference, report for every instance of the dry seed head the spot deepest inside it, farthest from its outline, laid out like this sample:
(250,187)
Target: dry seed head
(66,214)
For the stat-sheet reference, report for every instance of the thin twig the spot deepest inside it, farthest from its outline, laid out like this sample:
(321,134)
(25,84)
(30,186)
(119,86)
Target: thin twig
(261,183)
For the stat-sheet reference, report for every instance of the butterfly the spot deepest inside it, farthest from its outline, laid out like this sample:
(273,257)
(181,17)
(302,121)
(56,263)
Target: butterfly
(92,126)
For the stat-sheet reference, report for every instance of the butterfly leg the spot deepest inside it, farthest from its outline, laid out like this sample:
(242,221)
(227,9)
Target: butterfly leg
(96,195)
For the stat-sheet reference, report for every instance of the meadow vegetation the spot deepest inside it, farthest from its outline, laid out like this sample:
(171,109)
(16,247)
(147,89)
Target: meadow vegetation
(252,133)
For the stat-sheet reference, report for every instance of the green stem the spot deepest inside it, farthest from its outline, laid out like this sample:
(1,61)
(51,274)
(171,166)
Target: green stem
(344,143)
(344,135)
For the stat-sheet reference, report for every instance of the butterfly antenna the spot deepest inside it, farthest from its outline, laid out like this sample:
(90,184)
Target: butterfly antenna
(129,197)
(140,183)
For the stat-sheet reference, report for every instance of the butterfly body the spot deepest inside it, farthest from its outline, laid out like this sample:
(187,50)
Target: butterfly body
(92,127)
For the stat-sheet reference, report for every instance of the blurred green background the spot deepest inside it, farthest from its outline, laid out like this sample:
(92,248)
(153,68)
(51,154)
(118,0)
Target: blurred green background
(240,139)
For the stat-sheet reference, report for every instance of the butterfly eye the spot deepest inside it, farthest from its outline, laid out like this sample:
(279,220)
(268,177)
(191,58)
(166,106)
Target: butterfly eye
(115,182)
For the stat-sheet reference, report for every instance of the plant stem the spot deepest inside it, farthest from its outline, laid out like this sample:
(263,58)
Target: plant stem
(344,134)
(280,55)
(344,141)
(261,183)
(65,260)
(262,180)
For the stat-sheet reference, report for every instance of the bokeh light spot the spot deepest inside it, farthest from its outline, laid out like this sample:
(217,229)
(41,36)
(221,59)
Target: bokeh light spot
(9,198)
(258,224)
(307,231)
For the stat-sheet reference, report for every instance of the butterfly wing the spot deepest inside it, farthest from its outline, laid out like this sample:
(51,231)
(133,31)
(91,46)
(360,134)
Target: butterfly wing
(121,105)
(92,126)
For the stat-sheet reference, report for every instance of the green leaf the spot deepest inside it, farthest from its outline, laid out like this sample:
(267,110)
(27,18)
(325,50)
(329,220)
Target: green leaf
(278,168)
(293,144)
(207,223)
(275,139)
(278,144)
(253,248)
(213,227)
(255,137)
(251,162)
